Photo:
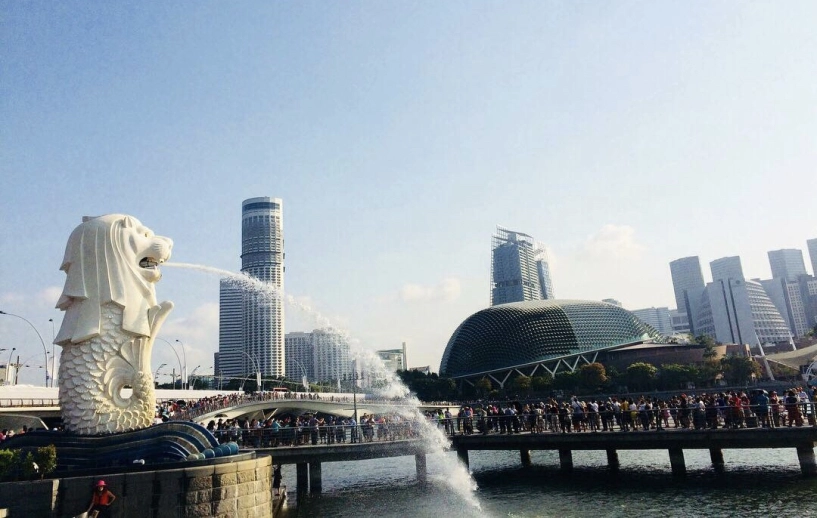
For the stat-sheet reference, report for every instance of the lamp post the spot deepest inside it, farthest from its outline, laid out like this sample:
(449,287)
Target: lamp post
(177,358)
(156,376)
(45,351)
(184,354)
(8,364)
(304,380)
(192,374)
(257,369)
(53,353)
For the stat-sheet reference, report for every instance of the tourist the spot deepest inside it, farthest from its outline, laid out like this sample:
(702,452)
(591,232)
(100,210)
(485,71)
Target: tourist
(101,500)
(793,409)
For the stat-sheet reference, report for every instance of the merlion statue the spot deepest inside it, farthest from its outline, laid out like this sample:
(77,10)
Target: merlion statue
(111,321)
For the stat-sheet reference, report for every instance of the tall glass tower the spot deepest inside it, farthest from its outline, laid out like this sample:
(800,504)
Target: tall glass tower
(519,268)
(251,322)
(787,264)
(688,283)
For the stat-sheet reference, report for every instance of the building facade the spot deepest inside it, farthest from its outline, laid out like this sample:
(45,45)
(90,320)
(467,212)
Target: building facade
(727,268)
(658,318)
(787,264)
(688,285)
(735,311)
(251,314)
(321,356)
(519,268)
(394,359)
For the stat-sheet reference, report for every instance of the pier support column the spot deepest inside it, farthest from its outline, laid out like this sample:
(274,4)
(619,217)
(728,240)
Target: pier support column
(462,454)
(525,457)
(314,477)
(566,460)
(716,454)
(612,459)
(805,454)
(302,478)
(676,460)
(420,463)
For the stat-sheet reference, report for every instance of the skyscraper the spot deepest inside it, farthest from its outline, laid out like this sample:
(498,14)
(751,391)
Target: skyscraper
(740,312)
(688,284)
(812,253)
(726,268)
(322,355)
(251,322)
(686,275)
(787,264)
(658,318)
(519,268)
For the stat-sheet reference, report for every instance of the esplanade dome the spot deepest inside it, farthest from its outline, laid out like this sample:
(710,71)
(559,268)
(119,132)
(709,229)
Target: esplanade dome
(523,333)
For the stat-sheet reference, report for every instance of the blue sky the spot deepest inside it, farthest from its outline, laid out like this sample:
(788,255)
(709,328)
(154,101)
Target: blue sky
(623,135)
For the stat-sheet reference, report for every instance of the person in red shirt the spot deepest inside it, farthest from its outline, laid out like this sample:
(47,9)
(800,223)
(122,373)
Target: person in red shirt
(101,501)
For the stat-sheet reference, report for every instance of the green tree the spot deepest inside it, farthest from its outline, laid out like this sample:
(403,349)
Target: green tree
(592,376)
(542,383)
(739,370)
(566,381)
(676,376)
(641,376)
(46,459)
(483,386)
(522,383)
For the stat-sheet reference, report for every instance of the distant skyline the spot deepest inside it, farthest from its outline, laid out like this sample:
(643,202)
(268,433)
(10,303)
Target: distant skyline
(623,136)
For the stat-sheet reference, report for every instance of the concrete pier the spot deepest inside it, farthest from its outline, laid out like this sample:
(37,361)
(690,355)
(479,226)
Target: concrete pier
(315,484)
(525,457)
(462,454)
(716,455)
(805,454)
(420,464)
(612,459)
(566,460)
(302,478)
(677,462)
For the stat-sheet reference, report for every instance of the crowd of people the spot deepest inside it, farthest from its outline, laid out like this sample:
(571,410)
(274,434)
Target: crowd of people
(311,429)
(733,409)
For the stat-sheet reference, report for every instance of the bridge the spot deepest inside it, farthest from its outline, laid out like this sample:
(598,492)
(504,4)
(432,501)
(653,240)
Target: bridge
(675,441)
(266,407)
(308,459)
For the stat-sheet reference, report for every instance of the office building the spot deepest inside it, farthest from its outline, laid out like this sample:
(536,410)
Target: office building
(658,318)
(735,311)
(726,268)
(787,264)
(324,355)
(251,318)
(680,322)
(811,244)
(688,285)
(394,359)
(519,268)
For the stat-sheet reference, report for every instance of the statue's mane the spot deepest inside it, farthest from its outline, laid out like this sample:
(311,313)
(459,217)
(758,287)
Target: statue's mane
(100,271)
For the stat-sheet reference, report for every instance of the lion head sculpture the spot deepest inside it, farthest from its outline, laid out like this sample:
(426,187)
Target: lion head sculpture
(112,258)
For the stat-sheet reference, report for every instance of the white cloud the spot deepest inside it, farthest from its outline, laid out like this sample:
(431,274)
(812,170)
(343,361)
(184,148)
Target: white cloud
(614,241)
(446,290)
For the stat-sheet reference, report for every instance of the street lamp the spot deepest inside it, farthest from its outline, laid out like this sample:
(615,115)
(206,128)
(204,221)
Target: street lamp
(45,352)
(53,353)
(192,374)
(184,354)
(8,364)
(257,369)
(156,376)
(304,379)
(353,379)
(177,358)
